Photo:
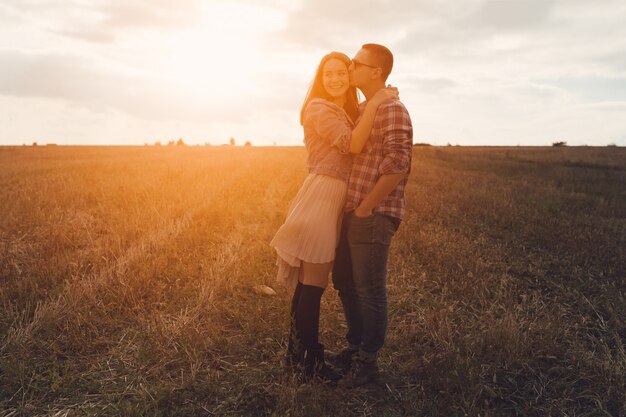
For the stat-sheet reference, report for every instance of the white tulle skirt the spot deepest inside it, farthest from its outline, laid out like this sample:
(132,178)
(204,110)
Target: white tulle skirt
(311,231)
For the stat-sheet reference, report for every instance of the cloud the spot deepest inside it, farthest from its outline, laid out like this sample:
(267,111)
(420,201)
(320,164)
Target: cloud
(154,13)
(593,89)
(546,40)
(104,22)
(615,60)
(510,15)
(327,24)
(410,25)
(88,35)
(426,85)
(93,84)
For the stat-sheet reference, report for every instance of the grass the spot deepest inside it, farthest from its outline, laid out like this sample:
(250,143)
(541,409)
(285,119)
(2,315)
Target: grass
(126,280)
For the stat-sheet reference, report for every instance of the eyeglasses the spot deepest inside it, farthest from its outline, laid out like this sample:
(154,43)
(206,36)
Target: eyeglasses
(355,62)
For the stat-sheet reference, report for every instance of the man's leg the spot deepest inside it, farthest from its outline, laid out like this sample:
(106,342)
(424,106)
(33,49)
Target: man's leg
(344,284)
(369,241)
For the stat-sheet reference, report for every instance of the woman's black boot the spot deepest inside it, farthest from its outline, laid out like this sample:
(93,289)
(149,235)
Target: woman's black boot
(307,328)
(294,358)
(315,366)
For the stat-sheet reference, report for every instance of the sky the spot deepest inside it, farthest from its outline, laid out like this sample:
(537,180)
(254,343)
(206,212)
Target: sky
(472,72)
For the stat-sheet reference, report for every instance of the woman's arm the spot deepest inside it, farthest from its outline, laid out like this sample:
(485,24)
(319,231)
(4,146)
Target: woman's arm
(361,131)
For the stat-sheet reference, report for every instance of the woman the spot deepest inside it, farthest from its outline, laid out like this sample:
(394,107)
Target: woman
(306,242)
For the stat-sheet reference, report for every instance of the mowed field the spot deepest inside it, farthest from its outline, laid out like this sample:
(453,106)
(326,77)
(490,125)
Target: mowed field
(127,275)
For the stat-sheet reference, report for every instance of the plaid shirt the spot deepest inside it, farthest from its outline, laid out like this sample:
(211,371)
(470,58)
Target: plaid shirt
(388,151)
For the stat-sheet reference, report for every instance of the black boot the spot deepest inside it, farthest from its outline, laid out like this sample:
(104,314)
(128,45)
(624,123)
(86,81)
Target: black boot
(307,328)
(307,315)
(294,358)
(294,361)
(315,366)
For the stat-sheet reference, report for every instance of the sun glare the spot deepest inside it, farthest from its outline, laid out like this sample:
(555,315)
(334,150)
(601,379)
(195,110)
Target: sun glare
(219,56)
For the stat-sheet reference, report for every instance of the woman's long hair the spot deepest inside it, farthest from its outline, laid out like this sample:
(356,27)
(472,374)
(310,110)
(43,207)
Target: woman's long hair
(317,90)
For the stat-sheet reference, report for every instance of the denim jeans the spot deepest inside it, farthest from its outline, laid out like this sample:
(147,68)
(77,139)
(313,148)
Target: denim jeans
(360,277)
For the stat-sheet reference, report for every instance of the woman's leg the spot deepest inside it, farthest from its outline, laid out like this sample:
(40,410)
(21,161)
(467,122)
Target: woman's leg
(315,280)
(316,274)
(295,352)
(318,277)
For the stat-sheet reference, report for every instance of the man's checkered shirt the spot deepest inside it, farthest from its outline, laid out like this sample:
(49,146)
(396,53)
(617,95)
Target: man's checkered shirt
(388,151)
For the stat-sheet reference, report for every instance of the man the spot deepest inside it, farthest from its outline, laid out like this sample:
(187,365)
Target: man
(373,211)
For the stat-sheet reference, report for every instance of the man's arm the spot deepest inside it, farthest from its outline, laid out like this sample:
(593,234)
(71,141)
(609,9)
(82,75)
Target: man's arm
(384,186)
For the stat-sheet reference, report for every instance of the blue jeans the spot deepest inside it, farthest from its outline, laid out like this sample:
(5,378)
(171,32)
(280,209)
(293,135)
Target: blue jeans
(360,277)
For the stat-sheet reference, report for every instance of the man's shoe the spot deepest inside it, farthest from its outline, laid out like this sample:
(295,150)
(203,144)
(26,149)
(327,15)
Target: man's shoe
(341,359)
(363,371)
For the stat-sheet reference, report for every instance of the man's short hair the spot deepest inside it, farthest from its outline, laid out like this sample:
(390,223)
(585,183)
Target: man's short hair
(383,57)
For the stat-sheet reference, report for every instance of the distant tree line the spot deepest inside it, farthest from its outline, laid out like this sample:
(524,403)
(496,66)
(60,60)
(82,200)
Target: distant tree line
(181,142)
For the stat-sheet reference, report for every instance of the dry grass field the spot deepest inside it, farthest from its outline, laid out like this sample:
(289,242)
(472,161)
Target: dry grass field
(126,280)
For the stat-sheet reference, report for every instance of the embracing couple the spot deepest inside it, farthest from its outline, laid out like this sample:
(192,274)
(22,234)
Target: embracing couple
(346,212)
